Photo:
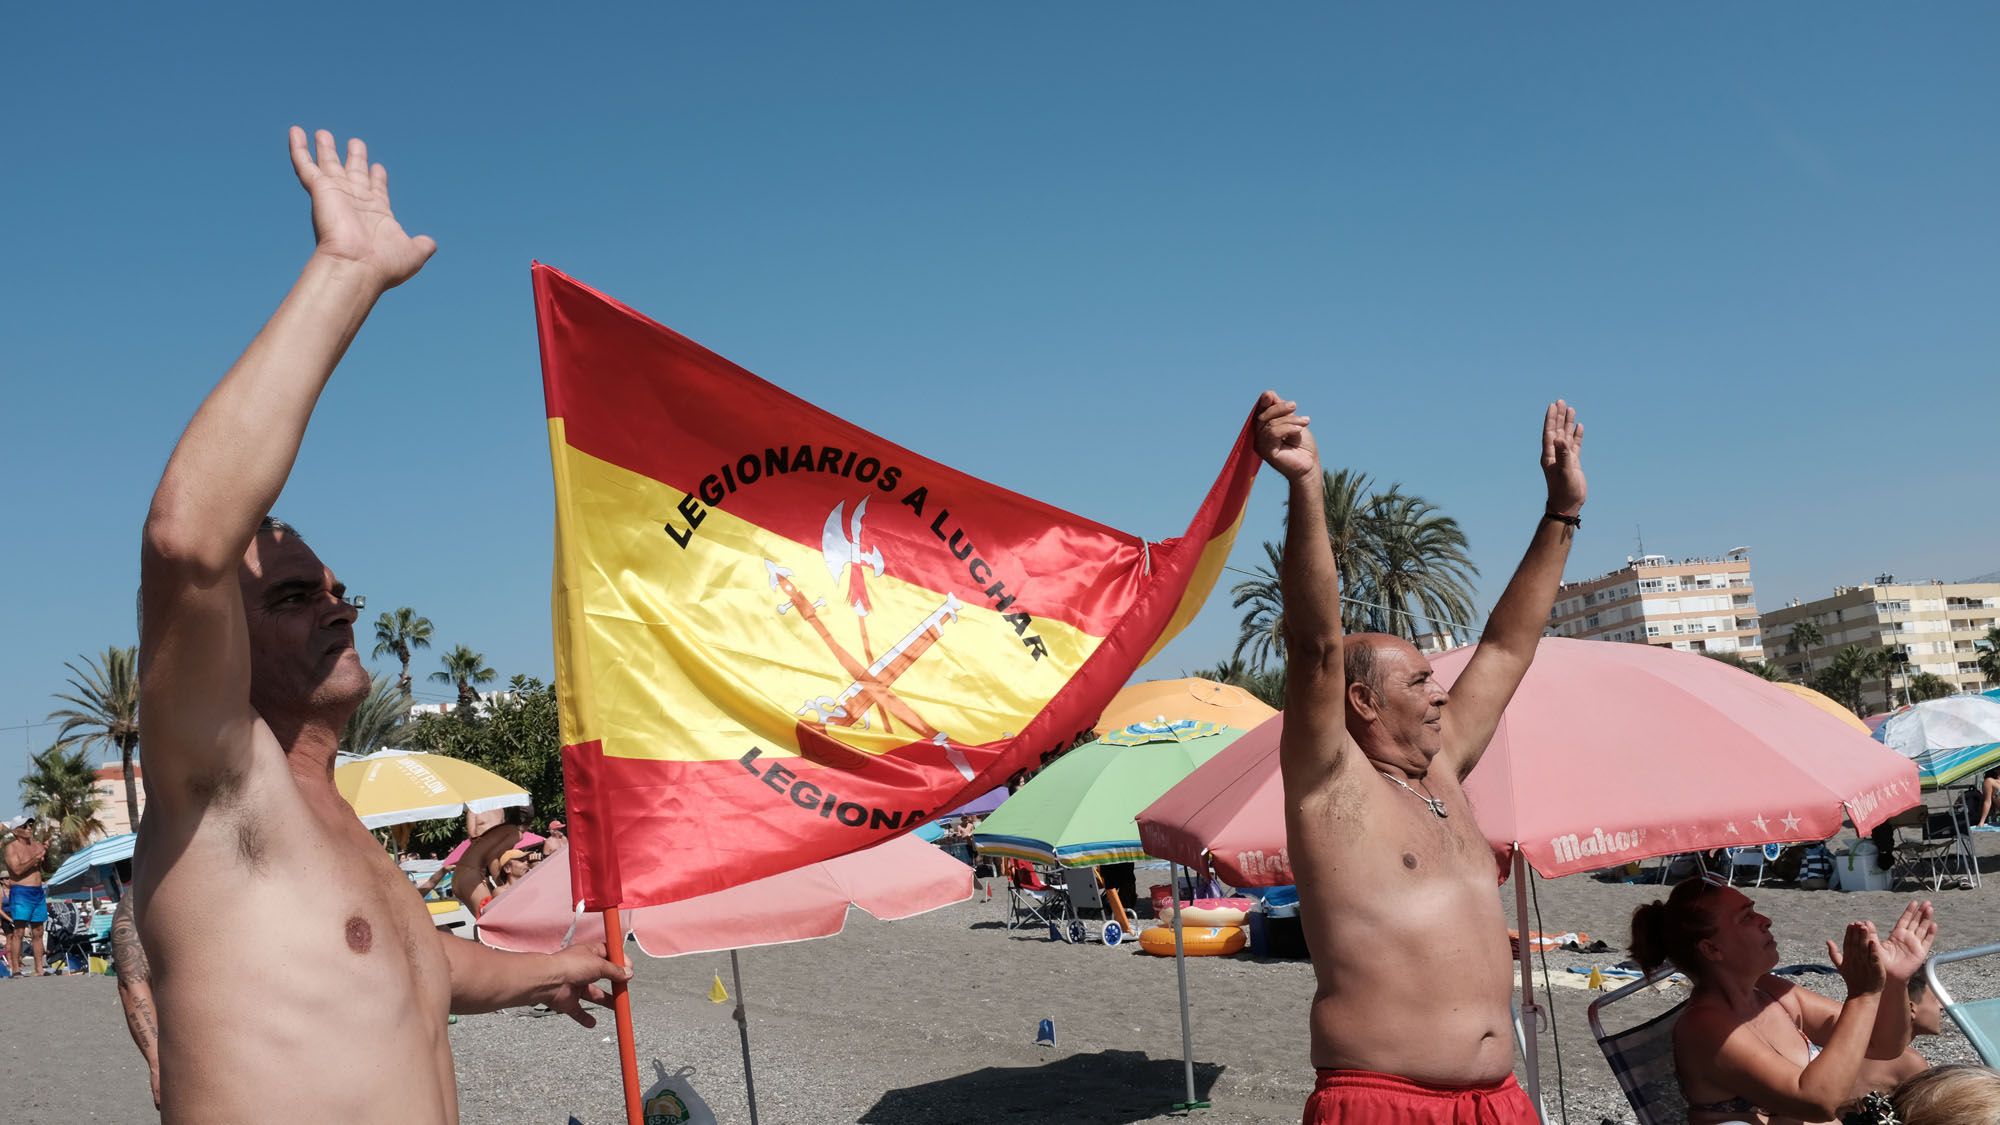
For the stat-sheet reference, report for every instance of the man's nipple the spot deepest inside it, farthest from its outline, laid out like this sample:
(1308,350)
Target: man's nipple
(360,935)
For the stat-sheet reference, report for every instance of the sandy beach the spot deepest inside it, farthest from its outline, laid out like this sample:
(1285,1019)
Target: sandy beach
(933,1019)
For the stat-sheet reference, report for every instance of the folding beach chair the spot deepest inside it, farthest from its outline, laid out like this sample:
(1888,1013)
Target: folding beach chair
(1979,1019)
(1927,845)
(1642,1056)
(1032,901)
(1753,857)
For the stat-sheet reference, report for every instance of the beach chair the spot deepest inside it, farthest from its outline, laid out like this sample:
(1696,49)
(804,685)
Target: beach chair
(1754,857)
(1927,845)
(1642,1056)
(1978,1019)
(1031,901)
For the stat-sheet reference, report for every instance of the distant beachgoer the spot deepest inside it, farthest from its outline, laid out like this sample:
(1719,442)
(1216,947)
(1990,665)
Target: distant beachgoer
(27,902)
(1988,787)
(554,840)
(1755,1046)
(1412,1019)
(471,880)
(509,868)
(135,989)
(1926,1018)
(328,1005)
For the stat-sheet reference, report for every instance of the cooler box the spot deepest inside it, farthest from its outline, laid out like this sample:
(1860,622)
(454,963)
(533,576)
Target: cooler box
(1860,869)
(1274,926)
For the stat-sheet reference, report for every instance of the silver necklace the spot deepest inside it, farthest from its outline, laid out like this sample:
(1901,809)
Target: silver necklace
(1433,803)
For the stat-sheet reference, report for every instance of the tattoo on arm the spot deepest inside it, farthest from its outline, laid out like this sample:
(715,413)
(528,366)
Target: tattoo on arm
(129,954)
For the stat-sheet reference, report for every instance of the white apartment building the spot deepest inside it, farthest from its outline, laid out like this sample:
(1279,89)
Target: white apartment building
(1939,624)
(1696,605)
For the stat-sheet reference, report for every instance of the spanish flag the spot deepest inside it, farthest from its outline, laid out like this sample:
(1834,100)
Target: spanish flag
(780,638)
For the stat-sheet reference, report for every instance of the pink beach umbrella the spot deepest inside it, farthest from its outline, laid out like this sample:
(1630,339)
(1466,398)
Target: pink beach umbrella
(899,878)
(1608,753)
(451,858)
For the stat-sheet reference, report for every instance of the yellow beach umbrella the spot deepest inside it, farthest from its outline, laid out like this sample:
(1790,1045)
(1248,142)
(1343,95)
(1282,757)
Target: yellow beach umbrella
(1192,698)
(1828,705)
(396,787)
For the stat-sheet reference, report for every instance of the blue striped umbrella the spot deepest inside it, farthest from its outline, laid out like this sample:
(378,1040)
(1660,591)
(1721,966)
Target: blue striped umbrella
(109,850)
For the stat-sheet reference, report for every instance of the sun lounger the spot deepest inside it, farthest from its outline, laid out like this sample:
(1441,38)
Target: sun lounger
(1978,1019)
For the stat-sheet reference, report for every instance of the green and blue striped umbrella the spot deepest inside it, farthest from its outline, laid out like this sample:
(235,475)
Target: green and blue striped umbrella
(1081,811)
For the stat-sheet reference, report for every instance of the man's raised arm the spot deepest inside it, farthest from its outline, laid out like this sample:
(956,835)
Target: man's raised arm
(1315,731)
(232,461)
(1508,645)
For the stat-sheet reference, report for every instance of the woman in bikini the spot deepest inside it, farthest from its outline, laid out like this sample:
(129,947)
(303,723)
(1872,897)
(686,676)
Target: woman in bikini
(1754,1047)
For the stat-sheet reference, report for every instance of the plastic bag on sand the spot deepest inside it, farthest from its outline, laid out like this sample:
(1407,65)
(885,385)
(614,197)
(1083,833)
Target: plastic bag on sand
(672,1100)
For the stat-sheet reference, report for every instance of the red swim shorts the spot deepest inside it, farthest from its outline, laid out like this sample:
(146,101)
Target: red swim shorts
(1352,1097)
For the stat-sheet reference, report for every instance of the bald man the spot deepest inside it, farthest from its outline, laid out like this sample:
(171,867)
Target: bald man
(1412,1019)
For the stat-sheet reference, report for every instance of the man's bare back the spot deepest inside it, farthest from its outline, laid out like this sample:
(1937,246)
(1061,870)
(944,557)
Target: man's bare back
(296,972)
(1397,885)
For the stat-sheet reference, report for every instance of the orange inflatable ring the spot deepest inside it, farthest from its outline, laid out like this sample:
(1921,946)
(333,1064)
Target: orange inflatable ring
(1202,941)
(1216,911)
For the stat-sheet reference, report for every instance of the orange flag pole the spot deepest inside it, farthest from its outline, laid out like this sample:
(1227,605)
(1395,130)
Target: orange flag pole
(621,1011)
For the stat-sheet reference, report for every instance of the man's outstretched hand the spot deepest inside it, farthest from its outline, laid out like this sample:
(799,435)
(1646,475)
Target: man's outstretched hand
(1562,458)
(1282,438)
(350,210)
(574,974)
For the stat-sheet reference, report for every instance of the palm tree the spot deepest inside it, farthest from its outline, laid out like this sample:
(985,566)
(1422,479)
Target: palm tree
(104,698)
(1353,531)
(380,719)
(1267,684)
(1925,685)
(1848,673)
(61,789)
(1757,668)
(1421,558)
(1806,637)
(1262,631)
(464,668)
(399,632)
(1989,656)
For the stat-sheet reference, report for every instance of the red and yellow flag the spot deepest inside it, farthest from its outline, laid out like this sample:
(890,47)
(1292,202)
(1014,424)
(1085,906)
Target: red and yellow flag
(780,638)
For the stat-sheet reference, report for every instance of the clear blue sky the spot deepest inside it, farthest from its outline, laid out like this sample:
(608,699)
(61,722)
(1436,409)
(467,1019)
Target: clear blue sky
(1060,246)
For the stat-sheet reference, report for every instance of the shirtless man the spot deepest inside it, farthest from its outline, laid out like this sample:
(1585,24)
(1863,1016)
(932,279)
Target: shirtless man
(27,903)
(1396,882)
(330,1004)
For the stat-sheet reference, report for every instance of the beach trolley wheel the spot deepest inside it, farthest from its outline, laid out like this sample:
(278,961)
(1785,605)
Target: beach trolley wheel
(1077,933)
(1113,933)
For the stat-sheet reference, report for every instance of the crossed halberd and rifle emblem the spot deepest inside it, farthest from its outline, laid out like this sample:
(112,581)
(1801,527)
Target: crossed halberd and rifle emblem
(872,678)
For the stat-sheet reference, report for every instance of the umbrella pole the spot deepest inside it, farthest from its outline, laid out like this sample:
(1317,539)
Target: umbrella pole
(743,1029)
(621,1011)
(1530,1011)
(1180,971)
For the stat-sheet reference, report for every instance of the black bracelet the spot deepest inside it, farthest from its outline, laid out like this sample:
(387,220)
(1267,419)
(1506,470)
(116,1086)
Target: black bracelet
(1573,521)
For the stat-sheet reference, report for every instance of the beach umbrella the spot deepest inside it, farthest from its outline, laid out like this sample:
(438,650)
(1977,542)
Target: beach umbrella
(397,787)
(110,850)
(527,840)
(1608,753)
(1827,704)
(899,878)
(1078,812)
(1191,698)
(1947,738)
